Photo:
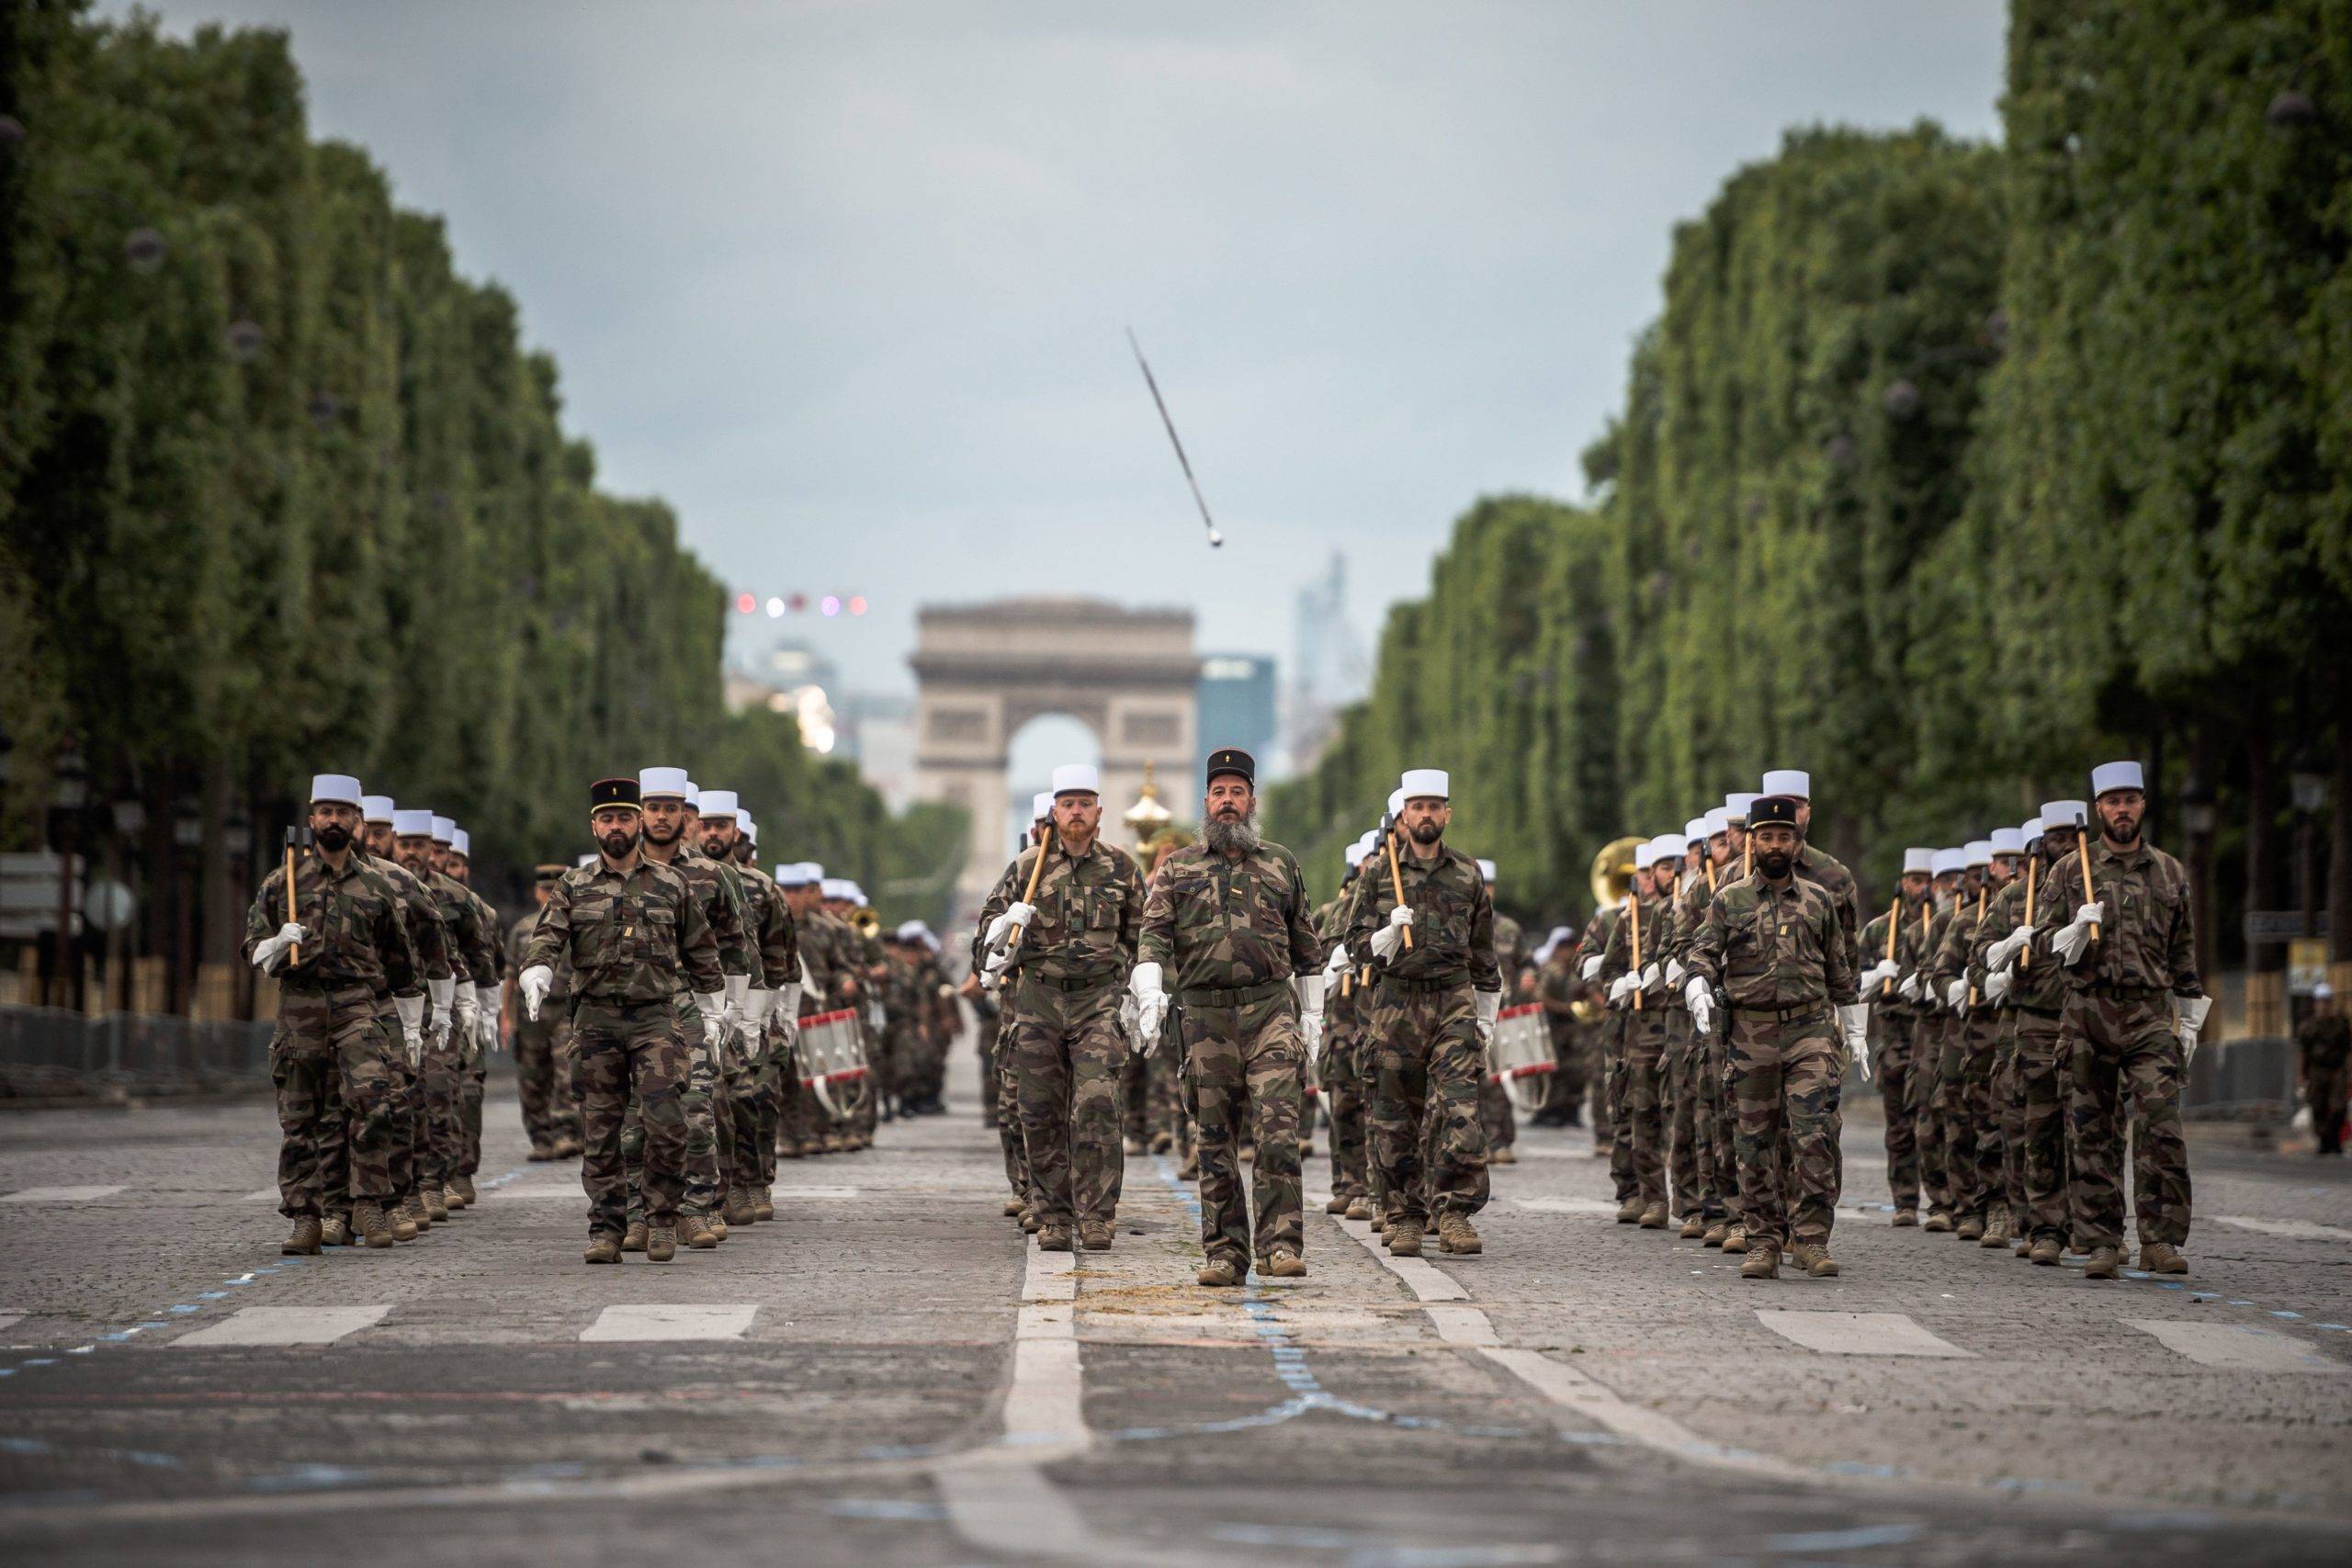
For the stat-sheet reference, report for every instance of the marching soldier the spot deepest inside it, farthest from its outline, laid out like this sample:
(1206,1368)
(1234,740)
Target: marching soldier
(337,942)
(636,936)
(1773,943)
(1947,885)
(1971,1163)
(771,956)
(1897,1019)
(1344,1078)
(1433,1011)
(431,940)
(1077,941)
(474,1076)
(542,1046)
(773,998)
(2128,944)
(1230,916)
(417,837)
(829,984)
(2037,992)
(1647,1028)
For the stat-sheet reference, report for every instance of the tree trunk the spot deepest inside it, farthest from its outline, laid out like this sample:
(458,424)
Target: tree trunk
(219,923)
(2339,834)
(2262,890)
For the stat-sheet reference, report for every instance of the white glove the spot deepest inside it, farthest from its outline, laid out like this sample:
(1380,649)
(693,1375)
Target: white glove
(2072,941)
(756,1008)
(792,1000)
(462,1010)
(1878,975)
(739,987)
(412,1013)
(1956,995)
(1309,989)
(534,983)
(1621,988)
(1000,929)
(1488,1003)
(1151,1006)
(1650,978)
(2187,1019)
(1674,971)
(486,1017)
(993,967)
(444,994)
(1391,937)
(1910,987)
(1591,968)
(1337,965)
(1997,984)
(1854,1023)
(265,953)
(713,1020)
(1997,956)
(1700,1001)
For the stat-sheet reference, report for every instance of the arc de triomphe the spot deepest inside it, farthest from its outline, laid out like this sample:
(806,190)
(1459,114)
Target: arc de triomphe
(983,670)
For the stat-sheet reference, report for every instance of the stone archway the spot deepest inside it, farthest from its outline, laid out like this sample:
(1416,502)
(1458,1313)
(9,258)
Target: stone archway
(983,670)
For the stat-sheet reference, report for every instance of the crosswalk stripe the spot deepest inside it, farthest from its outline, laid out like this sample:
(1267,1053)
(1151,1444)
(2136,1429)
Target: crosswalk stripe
(286,1326)
(2297,1230)
(661,1320)
(2235,1347)
(60,1195)
(1857,1333)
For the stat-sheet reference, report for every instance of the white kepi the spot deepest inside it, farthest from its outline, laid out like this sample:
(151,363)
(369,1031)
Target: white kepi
(1793,782)
(1077,778)
(1419,783)
(336,789)
(2116,775)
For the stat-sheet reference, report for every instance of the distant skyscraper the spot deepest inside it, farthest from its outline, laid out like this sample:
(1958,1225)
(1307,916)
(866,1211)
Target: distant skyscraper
(1329,669)
(1236,704)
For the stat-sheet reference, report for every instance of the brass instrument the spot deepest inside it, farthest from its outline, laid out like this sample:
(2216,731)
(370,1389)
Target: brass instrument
(1612,871)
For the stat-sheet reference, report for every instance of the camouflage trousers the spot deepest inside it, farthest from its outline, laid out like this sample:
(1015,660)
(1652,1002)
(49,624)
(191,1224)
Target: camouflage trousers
(1613,1127)
(1972,1117)
(1785,1075)
(2038,1071)
(473,1080)
(1644,1093)
(1426,1057)
(1343,1100)
(998,1106)
(543,1077)
(710,1117)
(1246,1068)
(1894,1067)
(740,1064)
(1564,1089)
(631,1060)
(767,1099)
(438,1088)
(2008,1110)
(1066,1053)
(1928,1032)
(329,1060)
(1691,1157)
(1496,1117)
(2123,1058)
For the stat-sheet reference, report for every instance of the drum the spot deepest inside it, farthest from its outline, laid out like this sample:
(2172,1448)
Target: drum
(833,1053)
(1519,1054)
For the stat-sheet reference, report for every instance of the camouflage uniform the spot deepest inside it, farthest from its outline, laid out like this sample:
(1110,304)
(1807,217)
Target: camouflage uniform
(2323,1049)
(1231,931)
(2034,1097)
(1972,1117)
(1611,1122)
(334,1043)
(1642,1060)
(2119,1042)
(1495,1113)
(1342,1071)
(705,1102)
(1690,1129)
(1932,1028)
(829,955)
(1424,1031)
(1066,1044)
(543,1055)
(1556,988)
(634,942)
(1781,960)
(431,941)
(474,1076)
(1897,1021)
(775,941)
(441,1154)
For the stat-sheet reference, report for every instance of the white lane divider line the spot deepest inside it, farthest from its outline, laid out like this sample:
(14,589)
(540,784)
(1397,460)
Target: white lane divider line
(61,1195)
(1858,1333)
(1594,1403)
(1566,1206)
(2296,1230)
(814,1191)
(10,1319)
(286,1326)
(2235,1348)
(262,1195)
(650,1321)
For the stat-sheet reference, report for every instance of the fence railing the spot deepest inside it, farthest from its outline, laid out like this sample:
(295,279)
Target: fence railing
(51,1052)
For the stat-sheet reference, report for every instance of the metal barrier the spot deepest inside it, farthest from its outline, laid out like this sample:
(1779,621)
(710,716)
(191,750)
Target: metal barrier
(51,1052)
(2249,1077)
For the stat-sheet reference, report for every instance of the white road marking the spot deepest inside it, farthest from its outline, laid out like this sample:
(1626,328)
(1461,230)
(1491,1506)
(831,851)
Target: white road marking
(547,1193)
(1596,1403)
(262,1195)
(2297,1230)
(662,1321)
(1857,1333)
(784,1192)
(10,1319)
(61,1195)
(1567,1206)
(286,1326)
(2235,1347)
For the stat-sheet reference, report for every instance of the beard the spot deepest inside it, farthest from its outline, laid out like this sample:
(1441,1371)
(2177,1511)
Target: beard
(1775,863)
(620,842)
(1428,833)
(1232,835)
(333,837)
(662,833)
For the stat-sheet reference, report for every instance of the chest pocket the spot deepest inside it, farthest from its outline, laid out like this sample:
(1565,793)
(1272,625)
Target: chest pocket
(595,927)
(1743,934)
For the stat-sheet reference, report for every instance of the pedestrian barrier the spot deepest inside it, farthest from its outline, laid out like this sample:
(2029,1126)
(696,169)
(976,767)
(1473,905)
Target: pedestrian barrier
(51,1053)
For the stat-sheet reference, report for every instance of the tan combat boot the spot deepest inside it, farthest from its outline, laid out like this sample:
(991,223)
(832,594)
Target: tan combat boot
(739,1210)
(1335,1204)
(634,1240)
(1161,1142)
(1032,1222)
(1054,1237)
(604,1248)
(1504,1156)
(1653,1217)
(1814,1259)
(1219,1271)
(792,1148)
(1629,1213)
(1970,1228)
(1014,1208)
(414,1210)
(764,1206)
(454,1197)
(1405,1238)
(335,1230)
(2161,1257)
(434,1196)
(1191,1169)
(1284,1264)
(661,1242)
(2022,1243)
(1456,1235)
(1905,1218)
(1715,1234)
(1094,1235)
(717,1225)
(1996,1231)
(1360,1208)
(2106,1264)
(1763,1263)
(1694,1227)
(1131,1146)
(2046,1252)
(1937,1221)
(367,1219)
(567,1148)
(695,1231)
(1735,1239)
(465,1186)
(304,1241)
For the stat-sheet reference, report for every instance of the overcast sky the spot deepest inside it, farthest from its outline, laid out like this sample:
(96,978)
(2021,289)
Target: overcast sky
(846,283)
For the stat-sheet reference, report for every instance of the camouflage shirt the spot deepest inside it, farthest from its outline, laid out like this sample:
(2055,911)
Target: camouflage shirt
(774,937)
(356,931)
(1224,923)
(1656,926)
(471,943)
(1454,919)
(1956,953)
(1510,952)
(716,890)
(1774,947)
(1845,896)
(1090,911)
(642,936)
(2147,939)
(424,929)
(2034,980)
(487,917)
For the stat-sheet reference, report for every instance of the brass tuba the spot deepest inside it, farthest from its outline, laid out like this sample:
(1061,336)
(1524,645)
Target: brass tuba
(1612,871)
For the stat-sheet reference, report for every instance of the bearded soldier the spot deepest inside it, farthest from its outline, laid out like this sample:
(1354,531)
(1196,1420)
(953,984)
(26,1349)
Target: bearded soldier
(417,838)
(1648,1027)
(2128,944)
(431,940)
(2036,990)
(542,1046)
(1433,1011)
(1896,1017)
(775,959)
(636,936)
(1230,916)
(337,942)
(474,1075)
(1773,945)
(996,1066)
(1077,944)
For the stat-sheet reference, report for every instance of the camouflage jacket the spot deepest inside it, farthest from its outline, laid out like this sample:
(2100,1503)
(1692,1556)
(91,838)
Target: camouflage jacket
(1510,952)
(473,945)
(2323,1044)
(2034,980)
(1971,920)
(774,937)
(1774,947)
(1910,948)
(518,942)
(1945,943)
(1845,896)
(639,938)
(426,931)
(1454,919)
(2147,939)
(1657,924)
(1221,923)
(716,887)
(1090,911)
(827,952)
(358,929)
(488,915)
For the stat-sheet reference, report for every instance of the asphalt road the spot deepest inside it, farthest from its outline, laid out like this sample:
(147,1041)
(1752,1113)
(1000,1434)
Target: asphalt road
(889,1374)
